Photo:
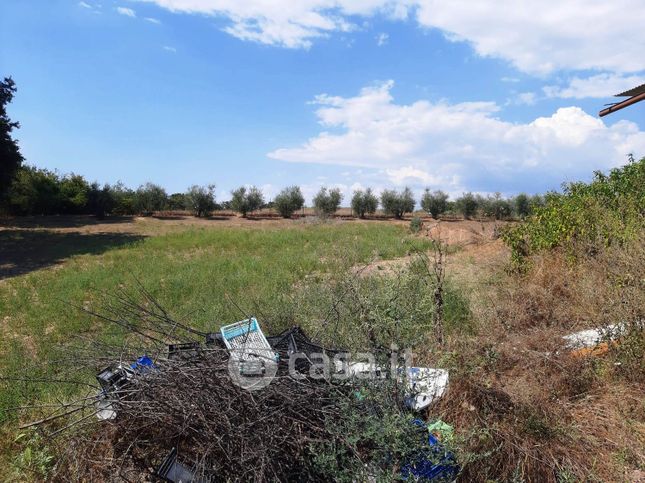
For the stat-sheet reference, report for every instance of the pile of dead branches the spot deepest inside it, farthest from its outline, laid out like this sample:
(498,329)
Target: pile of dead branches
(221,431)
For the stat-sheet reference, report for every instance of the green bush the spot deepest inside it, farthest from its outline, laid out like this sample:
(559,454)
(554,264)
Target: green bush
(610,209)
(373,437)
(416,224)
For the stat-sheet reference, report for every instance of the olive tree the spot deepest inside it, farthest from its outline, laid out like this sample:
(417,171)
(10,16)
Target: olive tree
(326,202)
(364,202)
(467,205)
(246,200)
(435,202)
(288,201)
(397,203)
(149,198)
(200,199)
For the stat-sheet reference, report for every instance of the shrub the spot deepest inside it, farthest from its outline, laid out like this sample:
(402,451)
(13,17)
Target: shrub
(150,198)
(200,200)
(606,211)
(416,224)
(435,203)
(467,205)
(326,202)
(397,203)
(246,200)
(364,202)
(288,201)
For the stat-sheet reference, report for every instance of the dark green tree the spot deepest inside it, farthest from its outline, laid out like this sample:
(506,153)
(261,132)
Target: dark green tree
(74,194)
(177,201)
(397,203)
(467,205)
(10,157)
(435,202)
(125,199)
(288,201)
(246,200)
(522,205)
(100,200)
(364,202)
(34,192)
(150,198)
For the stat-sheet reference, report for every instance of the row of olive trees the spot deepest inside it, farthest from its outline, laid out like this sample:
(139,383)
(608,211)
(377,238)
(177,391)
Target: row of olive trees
(327,201)
(469,205)
(395,203)
(40,191)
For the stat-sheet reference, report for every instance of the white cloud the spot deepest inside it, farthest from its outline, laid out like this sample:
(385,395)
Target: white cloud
(461,146)
(168,48)
(85,5)
(536,37)
(525,99)
(598,86)
(382,39)
(153,20)
(128,12)
(540,37)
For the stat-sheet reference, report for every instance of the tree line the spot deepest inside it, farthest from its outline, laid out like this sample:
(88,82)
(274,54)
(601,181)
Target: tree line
(35,191)
(27,190)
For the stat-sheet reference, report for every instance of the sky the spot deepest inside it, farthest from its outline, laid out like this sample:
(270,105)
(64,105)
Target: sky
(459,95)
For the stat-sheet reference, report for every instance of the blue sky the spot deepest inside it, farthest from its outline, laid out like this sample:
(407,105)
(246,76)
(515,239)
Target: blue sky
(486,96)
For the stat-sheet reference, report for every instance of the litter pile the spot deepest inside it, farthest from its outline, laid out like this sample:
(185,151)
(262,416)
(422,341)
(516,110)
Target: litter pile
(233,405)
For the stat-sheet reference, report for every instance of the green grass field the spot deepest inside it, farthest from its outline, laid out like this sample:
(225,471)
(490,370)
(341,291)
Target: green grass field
(196,272)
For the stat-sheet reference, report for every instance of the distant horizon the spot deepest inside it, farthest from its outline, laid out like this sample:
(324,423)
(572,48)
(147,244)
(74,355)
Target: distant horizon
(384,94)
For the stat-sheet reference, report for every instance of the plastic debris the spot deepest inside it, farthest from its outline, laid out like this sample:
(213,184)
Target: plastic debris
(105,409)
(173,471)
(425,385)
(142,364)
(114,381)
(245,339)
(444,432)
(436,463)
(115,377)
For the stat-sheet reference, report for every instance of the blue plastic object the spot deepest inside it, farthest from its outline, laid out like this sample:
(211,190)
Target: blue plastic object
(143,364)
(432,464)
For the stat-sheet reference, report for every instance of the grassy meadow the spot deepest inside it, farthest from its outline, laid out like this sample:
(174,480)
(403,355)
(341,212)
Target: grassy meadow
(200,275)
